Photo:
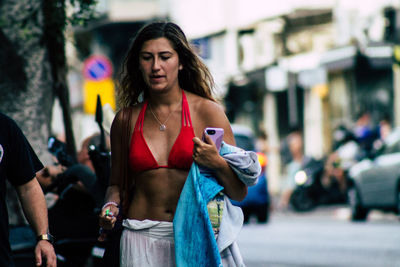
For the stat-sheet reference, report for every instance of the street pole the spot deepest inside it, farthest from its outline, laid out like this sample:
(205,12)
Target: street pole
(292,100)
(396,86)
(271,127)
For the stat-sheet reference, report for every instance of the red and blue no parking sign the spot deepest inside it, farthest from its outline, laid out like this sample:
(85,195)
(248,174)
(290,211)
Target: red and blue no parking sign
(97,67)
(97,71)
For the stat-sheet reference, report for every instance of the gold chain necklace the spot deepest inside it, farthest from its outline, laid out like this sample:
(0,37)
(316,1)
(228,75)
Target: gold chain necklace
(163,126)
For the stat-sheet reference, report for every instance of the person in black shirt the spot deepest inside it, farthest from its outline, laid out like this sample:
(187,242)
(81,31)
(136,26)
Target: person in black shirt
(19,164)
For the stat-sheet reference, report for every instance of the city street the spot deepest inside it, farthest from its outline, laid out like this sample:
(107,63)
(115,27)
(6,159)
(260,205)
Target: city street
(324,237)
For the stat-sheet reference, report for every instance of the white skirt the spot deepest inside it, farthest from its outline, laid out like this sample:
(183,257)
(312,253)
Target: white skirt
(147,243)
(151,244)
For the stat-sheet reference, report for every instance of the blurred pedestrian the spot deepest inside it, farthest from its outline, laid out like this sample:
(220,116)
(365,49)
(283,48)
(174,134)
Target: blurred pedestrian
(262,142)
(296,148)
(84,165)
(334,177)
(384,130)
(363,127)
(364,133)
(162,70)
(19,165)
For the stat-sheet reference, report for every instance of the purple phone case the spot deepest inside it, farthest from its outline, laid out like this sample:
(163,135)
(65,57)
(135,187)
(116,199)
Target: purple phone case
(217,137)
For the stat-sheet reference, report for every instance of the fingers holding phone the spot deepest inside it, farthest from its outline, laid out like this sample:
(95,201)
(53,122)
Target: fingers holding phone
(206,152)
(214,134)
(208,140)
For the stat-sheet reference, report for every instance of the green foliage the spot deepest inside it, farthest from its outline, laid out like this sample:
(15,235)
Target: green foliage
(56,21)
(83,12)
(20,22)
(56,13)
(24,20)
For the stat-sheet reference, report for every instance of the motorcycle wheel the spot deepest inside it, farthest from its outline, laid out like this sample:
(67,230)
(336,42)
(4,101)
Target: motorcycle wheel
(300,201)
(358,212)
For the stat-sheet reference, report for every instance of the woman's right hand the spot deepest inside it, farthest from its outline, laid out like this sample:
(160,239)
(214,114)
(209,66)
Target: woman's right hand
(206,154)
(108,217)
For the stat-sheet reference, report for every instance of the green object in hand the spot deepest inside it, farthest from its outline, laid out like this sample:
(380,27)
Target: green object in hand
(107,212)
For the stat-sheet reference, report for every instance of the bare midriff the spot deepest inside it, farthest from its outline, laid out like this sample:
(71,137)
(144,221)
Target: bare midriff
(156,194)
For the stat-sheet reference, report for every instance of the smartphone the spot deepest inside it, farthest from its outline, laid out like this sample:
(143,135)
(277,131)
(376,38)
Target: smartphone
(216,134)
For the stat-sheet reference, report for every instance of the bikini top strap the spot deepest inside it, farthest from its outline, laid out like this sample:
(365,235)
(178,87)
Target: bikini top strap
(140,119)
(186,121)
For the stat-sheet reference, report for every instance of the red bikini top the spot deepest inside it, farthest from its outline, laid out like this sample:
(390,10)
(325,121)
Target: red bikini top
(180,157)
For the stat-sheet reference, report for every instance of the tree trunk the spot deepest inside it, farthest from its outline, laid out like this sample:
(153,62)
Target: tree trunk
(26,85)
(55,18)
(33,59)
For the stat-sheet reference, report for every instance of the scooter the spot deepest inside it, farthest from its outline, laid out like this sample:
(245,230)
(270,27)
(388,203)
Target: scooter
(308,190)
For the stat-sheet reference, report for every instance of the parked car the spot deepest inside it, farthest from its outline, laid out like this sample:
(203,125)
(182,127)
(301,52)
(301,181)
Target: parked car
(257,201)
(374,183)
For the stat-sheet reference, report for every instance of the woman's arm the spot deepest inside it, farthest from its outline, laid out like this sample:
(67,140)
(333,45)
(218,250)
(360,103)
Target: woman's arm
(206,154)
(112,198)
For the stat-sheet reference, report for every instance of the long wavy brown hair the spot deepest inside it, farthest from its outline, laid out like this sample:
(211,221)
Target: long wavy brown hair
(194,76)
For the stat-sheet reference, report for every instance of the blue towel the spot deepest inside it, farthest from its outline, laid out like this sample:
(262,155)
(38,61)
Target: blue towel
(195,244)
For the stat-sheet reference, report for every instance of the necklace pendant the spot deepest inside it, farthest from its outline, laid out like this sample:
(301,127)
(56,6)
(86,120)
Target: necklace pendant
(163,127)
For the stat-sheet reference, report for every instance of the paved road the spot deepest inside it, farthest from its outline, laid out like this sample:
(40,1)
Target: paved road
(324,237)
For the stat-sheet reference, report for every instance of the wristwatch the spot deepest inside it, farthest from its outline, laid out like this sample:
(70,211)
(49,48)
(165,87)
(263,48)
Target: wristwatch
(48,237)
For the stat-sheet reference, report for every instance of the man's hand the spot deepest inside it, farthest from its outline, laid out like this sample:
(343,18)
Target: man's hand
(45,250)
(35,209)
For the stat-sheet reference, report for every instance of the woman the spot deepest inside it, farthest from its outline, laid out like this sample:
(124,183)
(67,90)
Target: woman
(175,86)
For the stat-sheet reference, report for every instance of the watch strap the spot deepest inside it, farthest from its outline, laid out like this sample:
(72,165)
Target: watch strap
(48,237)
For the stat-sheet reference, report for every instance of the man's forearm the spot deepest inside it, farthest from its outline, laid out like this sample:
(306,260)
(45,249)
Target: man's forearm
(34,206)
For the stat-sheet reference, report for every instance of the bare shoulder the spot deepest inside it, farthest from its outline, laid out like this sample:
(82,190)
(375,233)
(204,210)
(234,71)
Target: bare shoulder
(123,115)
(207,113)
(204,108)
(126,111)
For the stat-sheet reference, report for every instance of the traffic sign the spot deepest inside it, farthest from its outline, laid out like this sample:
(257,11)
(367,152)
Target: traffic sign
(104,88)
(97,68)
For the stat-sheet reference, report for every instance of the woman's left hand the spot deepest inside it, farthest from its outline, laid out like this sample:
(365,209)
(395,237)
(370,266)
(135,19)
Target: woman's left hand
(206,153)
